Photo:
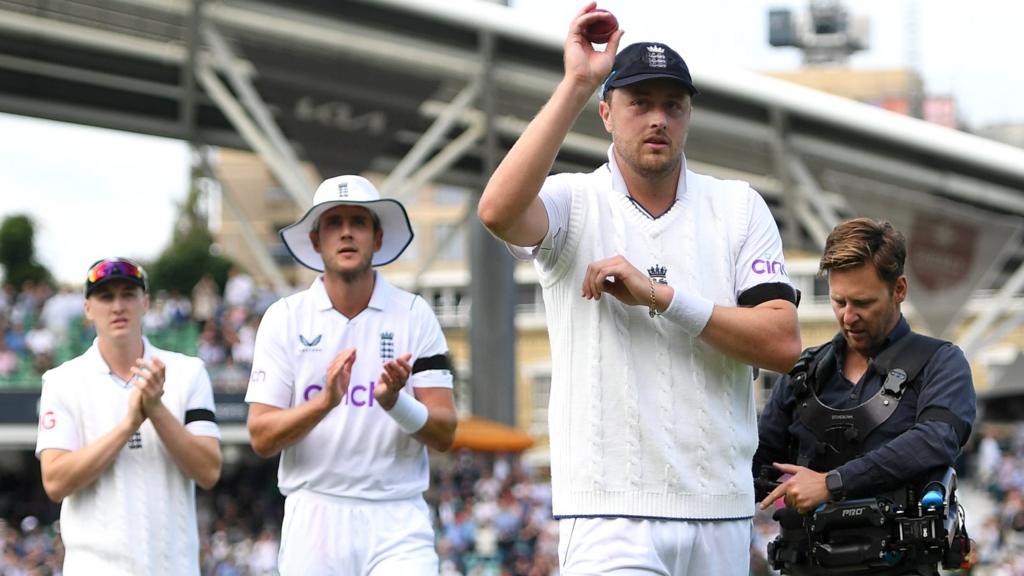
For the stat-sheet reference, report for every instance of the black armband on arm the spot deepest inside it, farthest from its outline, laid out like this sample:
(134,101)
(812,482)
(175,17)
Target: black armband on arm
(200,415)
(438,362)
(764,292)
(937,413)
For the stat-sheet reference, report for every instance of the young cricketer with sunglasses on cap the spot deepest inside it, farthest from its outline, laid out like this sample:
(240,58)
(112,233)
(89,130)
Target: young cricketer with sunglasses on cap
(126,430)
(662,287)
(350,383)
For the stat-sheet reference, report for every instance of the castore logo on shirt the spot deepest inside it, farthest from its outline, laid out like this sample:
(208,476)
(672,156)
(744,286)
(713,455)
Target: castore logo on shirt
(310,345)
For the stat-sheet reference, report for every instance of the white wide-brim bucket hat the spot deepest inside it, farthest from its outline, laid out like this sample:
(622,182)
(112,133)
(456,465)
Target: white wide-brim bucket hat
(355,191)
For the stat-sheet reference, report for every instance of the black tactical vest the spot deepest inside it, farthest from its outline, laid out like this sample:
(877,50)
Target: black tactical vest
(840,433)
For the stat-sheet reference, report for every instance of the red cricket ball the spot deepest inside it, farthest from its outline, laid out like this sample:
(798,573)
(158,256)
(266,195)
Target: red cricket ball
(601,30)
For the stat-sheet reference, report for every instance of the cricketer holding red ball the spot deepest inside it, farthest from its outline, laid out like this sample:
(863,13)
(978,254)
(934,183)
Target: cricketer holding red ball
(657,309)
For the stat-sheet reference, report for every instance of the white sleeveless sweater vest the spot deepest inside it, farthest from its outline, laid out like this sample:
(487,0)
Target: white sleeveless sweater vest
(644,420)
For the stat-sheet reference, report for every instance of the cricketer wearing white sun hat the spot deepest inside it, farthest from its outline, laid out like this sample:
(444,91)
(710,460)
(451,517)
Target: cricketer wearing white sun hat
(357,369)
(357,191)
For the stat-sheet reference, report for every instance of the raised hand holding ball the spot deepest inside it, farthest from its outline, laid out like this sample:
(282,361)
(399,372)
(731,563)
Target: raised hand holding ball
(600,30)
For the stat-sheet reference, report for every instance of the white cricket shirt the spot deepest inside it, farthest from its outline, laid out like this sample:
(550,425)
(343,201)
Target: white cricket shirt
(139,517)
(357,450)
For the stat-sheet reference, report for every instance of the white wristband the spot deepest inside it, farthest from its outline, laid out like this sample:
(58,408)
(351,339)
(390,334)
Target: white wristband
(409,413)
(690,312)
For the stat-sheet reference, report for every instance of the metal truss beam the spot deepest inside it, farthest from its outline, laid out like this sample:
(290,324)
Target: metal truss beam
(289,171)
(256,244)
(805,198)
(187,104)
(981,332)
(893,171)
(262,135)
(396,184)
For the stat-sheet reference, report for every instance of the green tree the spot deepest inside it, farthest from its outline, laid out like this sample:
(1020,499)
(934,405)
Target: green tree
(18,253)
(190,254)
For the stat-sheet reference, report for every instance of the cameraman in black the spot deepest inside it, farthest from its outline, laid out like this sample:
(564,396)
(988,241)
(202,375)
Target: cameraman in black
(877,410)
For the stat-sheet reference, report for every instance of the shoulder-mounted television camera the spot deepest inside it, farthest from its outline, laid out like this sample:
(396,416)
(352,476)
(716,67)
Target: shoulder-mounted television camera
(904,529)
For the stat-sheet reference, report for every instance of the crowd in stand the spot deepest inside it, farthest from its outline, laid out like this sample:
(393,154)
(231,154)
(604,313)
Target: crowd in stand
(41,328)
(491,515)
(34,323)
(30,549)
(999,470)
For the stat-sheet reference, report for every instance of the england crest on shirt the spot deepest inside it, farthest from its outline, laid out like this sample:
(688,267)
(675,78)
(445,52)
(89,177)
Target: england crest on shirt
(387,346)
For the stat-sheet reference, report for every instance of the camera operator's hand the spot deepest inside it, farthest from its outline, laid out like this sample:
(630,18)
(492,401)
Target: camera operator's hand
(804,490)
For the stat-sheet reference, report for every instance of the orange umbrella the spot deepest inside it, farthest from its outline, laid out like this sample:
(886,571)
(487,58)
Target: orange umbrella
(477,433)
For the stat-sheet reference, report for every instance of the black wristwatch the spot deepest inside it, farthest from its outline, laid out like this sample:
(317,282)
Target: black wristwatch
(834,484)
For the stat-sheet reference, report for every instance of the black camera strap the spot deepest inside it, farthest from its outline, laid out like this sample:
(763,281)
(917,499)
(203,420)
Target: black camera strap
(841,431)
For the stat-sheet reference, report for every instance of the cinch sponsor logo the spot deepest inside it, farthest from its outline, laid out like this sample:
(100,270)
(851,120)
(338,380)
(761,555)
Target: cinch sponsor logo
(358,395)
(765,266)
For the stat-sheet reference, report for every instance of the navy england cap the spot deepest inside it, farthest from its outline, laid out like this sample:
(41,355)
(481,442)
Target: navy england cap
(647,61)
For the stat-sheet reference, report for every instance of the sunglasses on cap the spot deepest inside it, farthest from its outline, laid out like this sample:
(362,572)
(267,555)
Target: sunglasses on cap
(114,269)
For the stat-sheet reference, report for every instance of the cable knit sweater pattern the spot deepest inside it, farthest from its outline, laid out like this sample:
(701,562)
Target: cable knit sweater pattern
(646,421)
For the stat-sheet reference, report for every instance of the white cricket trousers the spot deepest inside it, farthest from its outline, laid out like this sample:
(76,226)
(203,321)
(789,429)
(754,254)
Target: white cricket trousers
(640,547)
(336,536)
